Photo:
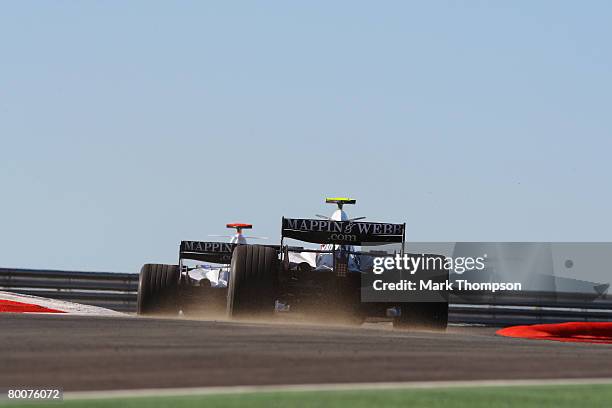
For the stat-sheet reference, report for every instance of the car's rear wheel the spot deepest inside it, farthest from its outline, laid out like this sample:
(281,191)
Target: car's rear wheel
(158,289)
(430,315)
(422,315)
(253,282)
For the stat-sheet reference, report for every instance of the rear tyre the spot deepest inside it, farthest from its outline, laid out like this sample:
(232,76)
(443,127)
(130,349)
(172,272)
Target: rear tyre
(158,289)
(422,315)
(253,282)
(432,315)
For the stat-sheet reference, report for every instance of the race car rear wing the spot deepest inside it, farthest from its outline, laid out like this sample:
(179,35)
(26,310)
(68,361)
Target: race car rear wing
(214,252)
(342,232)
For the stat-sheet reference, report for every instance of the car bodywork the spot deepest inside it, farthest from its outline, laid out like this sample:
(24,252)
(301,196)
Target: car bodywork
(329,278)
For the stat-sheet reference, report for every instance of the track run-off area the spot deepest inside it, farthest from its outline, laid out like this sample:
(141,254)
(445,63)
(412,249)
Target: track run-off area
(88,353)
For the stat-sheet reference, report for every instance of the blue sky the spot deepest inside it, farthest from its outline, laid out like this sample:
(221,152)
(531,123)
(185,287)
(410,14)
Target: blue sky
(128,126)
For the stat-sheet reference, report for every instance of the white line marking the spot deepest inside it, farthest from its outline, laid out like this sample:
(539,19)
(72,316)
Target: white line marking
(175,392)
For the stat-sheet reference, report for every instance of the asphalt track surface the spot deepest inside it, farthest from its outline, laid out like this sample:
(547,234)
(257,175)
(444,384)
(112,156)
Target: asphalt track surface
(104,353)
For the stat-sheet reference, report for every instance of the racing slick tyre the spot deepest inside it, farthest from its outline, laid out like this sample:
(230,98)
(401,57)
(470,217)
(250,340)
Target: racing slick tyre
(422,315)
(431,315)
(252,283)
(158,289)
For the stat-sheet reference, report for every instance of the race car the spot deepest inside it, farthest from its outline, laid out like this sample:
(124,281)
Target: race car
(326,282)
(190,289)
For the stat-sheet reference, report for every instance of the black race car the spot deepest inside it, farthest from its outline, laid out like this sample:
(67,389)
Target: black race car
(328,281)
